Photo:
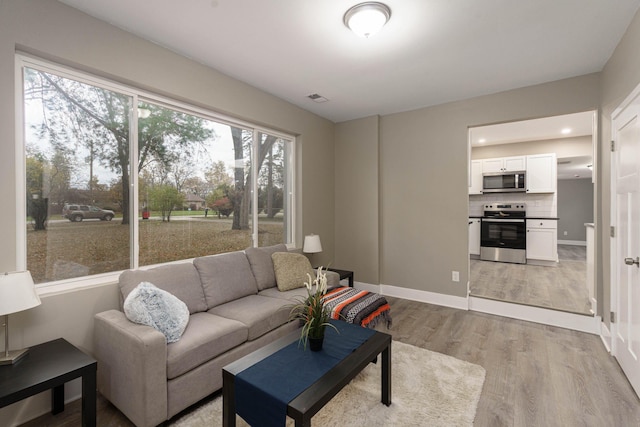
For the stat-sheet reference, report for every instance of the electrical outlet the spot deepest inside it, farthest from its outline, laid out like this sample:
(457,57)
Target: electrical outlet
(455,276)
(565,233)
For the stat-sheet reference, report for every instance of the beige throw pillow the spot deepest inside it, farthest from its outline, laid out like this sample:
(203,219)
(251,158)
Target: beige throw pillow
(291,270)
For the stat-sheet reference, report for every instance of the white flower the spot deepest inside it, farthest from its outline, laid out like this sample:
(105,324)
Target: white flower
(321,281)
(310,283)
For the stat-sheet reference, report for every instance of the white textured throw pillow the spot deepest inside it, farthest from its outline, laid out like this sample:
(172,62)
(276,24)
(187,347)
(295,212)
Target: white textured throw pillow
(149,305)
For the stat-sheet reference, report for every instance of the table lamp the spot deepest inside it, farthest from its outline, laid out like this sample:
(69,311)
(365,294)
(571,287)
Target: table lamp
(312,244)
(17,293)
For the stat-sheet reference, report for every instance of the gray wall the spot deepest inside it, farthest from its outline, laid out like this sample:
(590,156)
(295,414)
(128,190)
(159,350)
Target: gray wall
(423,183)
(575,208)
(54,31)
(357,202)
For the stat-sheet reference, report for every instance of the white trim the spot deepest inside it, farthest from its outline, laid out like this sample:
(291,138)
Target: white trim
(605,335)
(21,180)
(572,242)
(452,301)
(73,285)
(255,150)
(542,262)
(134,224)
(576,322)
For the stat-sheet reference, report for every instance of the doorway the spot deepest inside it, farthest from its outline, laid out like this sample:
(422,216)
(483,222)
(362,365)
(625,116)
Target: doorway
(558,279)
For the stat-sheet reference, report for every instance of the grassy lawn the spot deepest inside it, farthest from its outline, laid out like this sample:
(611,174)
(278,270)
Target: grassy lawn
(69,249)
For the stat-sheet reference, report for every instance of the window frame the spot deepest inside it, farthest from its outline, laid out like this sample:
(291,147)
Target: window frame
(137,95)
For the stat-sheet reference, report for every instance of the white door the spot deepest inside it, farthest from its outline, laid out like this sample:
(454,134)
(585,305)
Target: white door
(625,265)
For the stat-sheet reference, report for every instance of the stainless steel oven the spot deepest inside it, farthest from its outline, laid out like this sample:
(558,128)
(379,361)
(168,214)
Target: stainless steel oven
(503,235)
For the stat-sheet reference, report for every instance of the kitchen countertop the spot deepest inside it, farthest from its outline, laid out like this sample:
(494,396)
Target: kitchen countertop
(526,217)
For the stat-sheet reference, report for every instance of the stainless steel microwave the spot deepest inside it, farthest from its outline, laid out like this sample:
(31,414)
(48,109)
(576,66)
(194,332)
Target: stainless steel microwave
(503,182)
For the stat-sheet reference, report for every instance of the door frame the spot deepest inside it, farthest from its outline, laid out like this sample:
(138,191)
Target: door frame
(614,256)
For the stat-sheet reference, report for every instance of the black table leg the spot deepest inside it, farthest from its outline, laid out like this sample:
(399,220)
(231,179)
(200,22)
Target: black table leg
(386,375)
(57,399)
(228,400)
(89,398)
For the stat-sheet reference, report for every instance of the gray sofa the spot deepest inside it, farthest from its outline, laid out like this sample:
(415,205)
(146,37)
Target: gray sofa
(235,308)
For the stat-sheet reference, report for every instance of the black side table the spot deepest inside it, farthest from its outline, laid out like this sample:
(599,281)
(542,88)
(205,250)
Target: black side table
(344,274)
(48,366)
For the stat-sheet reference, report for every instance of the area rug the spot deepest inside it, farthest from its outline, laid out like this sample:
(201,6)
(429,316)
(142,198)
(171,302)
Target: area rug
(428,388)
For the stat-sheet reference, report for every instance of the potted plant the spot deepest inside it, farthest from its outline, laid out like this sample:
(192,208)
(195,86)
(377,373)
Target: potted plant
(312,312)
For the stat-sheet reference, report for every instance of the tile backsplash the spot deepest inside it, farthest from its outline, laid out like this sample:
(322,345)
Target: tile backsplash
(538,205)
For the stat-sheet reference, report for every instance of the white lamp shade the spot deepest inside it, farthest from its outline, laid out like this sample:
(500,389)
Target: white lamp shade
(17,292)
(312,244)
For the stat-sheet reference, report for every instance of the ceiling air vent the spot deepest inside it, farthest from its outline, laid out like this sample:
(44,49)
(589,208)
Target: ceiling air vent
(317,98)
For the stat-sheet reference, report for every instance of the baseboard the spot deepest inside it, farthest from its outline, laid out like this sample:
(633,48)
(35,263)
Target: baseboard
(605,336)
(542,263)
(425,296)
(561,319)
(572,242)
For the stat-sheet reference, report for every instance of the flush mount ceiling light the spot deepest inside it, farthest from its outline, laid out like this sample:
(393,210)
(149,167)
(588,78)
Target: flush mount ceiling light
(366,19)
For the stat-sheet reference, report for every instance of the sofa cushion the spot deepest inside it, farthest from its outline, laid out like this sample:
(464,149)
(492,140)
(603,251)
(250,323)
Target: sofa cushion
(225,277)
(292,270)
(151,306)
(262,264)
(292,296)
(259,314)
(207,336)
(181,280)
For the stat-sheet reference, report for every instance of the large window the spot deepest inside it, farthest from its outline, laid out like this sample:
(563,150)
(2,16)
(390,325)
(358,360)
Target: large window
(116,178)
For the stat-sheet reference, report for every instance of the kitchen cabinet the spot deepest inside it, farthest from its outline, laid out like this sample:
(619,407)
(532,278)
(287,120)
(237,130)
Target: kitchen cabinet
(542,240)
(541,173)
(476,177)
(504,164)
(474,236)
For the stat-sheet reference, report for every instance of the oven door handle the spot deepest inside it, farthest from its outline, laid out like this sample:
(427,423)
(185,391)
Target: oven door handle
(502,220)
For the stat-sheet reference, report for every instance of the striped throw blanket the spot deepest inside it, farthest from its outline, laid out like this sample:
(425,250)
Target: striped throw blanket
(362,308)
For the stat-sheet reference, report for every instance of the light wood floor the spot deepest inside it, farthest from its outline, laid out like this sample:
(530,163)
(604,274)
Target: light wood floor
(561,288)
(537,375)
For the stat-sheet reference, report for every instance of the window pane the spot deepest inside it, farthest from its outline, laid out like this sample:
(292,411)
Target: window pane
(192,178)
(273,188)
(77,177)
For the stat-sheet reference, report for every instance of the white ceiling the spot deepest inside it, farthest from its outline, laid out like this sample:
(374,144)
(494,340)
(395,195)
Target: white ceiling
(430,52)
(579,124)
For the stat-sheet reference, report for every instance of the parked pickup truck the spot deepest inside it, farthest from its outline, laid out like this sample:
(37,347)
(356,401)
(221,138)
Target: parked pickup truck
(76,213)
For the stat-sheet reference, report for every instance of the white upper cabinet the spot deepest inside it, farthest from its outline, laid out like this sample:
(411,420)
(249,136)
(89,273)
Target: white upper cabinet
(476,177)
(541,173)
(504,164)
(515,164)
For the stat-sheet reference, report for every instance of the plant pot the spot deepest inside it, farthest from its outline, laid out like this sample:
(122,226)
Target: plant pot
(315,344)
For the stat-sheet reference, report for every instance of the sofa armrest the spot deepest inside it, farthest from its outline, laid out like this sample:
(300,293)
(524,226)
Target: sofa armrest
(132,367)
(333,279)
